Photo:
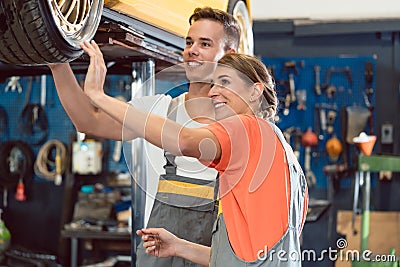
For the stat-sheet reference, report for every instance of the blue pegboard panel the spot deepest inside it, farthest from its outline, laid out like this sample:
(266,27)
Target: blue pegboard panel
(343,83)
(60,126)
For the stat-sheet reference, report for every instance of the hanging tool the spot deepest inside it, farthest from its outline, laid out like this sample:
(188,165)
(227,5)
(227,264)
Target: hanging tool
(331,89)
(317,122)
(14,84)
(332,70)
(368,93)
(20,193)
(317,87)
(322,119)
(308,140)
(59,171)
(296,134)
(28,91)
(334,173)
(301,99)
(33,124)
(334,148)
(357,118)
(290,67)
(43,87)
(287,104)
(17,165)
(369,73)
(17,158)
(331,117)
(287,99)
(292,88)
(282,88)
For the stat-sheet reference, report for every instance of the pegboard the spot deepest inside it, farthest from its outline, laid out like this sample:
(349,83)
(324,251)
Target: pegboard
(14,99)
(344,81)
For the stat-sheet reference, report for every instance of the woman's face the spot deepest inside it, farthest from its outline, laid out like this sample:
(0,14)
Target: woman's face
(230,94)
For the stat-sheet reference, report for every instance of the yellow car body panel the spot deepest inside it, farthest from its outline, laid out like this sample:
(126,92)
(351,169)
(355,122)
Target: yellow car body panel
(169,15)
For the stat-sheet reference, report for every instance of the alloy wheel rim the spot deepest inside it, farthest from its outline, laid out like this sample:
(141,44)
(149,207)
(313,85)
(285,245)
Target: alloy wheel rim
(240,13)
(71,15)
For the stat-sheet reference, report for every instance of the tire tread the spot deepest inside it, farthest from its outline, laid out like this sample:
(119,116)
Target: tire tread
(26,40)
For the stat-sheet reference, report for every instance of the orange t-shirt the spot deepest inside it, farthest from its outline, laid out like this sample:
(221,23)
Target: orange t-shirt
(254,184)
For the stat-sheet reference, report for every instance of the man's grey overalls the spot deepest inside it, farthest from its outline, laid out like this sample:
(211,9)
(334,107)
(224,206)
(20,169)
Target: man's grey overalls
(186,207)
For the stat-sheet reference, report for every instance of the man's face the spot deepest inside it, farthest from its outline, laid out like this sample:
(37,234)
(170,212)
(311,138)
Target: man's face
(204,43)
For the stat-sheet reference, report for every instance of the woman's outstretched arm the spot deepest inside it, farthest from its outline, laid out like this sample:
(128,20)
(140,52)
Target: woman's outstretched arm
(164,133)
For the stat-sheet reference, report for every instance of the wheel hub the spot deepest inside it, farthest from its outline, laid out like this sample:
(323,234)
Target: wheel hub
(71,15)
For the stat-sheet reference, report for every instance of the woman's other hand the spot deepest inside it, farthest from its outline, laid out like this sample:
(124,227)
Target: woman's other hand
(159,242)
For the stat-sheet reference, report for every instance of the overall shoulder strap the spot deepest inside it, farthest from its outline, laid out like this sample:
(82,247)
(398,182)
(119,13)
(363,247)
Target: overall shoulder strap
(170,166)
(286,146)
(297,183)
(173,108)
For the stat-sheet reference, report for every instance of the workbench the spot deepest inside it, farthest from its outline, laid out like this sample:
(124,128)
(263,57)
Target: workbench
(123,238)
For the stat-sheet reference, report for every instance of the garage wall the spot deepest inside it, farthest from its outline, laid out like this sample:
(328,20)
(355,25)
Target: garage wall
(276,39)
(35,224)
(380,39)
(314,9)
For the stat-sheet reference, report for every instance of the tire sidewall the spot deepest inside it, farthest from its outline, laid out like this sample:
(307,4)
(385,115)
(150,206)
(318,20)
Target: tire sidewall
(238,8)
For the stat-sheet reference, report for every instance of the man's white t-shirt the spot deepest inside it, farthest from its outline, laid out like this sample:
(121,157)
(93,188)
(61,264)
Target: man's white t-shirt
(186,166)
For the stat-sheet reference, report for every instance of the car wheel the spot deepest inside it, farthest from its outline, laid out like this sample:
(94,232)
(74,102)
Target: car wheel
(38,32)
(239,10)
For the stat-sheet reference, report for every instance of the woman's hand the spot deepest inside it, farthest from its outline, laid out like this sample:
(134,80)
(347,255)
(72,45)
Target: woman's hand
(159,242)
(96,73)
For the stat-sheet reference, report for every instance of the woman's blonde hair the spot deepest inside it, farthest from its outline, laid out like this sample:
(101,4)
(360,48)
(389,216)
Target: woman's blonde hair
(253,70)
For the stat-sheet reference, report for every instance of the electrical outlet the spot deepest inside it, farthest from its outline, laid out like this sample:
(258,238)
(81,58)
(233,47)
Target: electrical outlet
(387,133)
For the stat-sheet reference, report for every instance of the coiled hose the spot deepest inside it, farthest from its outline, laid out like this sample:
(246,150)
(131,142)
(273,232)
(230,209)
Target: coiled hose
(52,161)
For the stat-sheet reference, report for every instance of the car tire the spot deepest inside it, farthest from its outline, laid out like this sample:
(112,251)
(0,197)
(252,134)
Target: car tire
(39,32)
(239,10)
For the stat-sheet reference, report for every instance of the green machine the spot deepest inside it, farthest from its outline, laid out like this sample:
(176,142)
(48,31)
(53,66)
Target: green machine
(5,237)
(366,165)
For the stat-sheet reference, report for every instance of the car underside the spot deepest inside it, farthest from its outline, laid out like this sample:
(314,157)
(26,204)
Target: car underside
(121,44)
(36,33)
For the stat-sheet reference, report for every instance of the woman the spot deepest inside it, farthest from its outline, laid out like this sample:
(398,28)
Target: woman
(262,187)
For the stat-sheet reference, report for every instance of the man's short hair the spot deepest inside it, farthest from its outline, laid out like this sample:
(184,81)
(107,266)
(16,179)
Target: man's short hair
(231,26)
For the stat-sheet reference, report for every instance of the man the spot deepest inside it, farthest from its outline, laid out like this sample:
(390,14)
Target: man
(212,34)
